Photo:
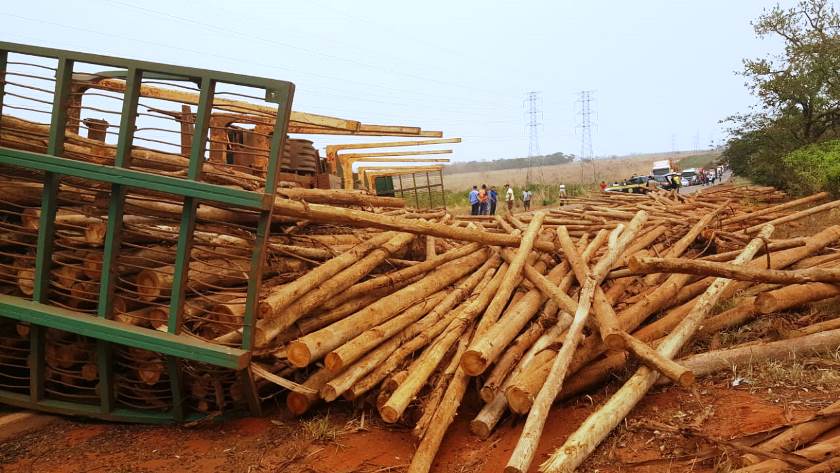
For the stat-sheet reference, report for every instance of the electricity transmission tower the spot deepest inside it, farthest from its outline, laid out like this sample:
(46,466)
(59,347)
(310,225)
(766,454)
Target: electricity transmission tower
(586,153)
(533,124)
(585,103)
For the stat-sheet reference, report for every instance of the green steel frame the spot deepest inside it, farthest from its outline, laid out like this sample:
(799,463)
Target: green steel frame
(173,344)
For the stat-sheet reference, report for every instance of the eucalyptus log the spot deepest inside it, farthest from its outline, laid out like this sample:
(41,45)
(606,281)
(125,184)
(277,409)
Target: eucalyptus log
(731,271)
(315,345)
(523,454)
(358,218)
(598,425)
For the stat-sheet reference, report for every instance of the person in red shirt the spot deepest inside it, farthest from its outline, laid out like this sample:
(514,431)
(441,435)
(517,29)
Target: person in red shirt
(603,186)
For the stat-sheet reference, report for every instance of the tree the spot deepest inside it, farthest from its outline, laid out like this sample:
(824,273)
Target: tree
(798,90)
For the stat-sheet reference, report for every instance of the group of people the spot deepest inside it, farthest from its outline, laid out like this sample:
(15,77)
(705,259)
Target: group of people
(483,201)
(709,176)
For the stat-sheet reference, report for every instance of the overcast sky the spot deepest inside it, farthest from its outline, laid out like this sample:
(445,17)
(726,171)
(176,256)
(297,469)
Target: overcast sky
(662,72)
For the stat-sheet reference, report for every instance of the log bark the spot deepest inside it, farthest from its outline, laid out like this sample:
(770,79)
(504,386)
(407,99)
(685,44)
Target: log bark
(422,333)
(401,275)
(683,243)
(358,218)
(433,399)
(300,400)
(355,348)
(796,216)
(704,364)
(339,197)
(818,452)
(283,296)
(486,349)
(315,345)
(775,208)
(423,367)
(731,271)
(513,275)
(493,410)
(598,425)
(525,449)
(651,358)
(269,328)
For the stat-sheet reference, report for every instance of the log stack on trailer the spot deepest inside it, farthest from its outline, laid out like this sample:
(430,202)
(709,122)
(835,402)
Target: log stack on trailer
(122,289)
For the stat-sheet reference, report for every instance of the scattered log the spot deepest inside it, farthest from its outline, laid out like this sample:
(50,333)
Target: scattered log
(598,425)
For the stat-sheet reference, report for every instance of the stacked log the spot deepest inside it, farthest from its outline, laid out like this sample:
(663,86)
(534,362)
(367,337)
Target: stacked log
(365,300)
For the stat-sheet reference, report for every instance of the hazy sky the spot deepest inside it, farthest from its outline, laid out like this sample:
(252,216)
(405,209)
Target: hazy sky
(662,71)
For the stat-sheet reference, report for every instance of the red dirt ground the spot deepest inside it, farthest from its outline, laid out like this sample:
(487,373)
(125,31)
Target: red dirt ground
(278,444)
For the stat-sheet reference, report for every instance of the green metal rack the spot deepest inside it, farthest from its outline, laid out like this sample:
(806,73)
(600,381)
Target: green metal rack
(175,345)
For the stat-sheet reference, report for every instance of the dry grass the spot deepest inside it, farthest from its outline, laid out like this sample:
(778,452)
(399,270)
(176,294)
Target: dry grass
(572,173)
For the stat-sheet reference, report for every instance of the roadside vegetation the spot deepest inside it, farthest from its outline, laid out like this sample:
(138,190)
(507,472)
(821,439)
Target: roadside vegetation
(791,139)
(703,160)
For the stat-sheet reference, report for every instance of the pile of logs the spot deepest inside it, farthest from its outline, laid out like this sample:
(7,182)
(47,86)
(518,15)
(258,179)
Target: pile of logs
(542,306)
(363,299)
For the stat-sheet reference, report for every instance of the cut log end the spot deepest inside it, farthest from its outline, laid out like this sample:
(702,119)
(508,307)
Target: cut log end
(389,414)
(615,341)
(298,354)
(264,310)
(298,403)
(26,281)
(473,362)
(687,379)
(95,232)
(329,393)
(519,400)
(149,284)
(89,372)
(480,429)
(487,393)
(333,362)
(766,303)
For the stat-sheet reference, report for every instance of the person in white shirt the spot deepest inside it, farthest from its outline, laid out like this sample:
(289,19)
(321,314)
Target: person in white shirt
(526,199)
(562,193)
(509,198)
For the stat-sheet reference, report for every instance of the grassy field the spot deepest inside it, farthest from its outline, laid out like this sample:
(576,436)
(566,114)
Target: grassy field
(585,173)
(578,177)
(699,160)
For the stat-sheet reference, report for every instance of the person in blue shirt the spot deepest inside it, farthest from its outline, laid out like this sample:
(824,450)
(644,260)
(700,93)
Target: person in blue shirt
(474,202)
(494,196)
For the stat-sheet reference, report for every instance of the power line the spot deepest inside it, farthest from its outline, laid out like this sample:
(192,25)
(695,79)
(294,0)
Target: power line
(389,70)
(420,102)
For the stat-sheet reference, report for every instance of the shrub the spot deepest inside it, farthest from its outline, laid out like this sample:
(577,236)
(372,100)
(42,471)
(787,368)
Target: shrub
(815,168)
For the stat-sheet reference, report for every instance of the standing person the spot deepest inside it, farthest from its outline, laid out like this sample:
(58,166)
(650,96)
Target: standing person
(526,199)
(483,200)
(474,203)
(603,186)
(562,192)
(494,197)
(509,198)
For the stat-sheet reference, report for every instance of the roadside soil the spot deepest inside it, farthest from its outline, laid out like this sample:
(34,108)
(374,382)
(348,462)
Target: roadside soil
(346,439)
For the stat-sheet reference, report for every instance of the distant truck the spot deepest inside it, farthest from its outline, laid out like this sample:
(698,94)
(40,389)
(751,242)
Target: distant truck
(661,168)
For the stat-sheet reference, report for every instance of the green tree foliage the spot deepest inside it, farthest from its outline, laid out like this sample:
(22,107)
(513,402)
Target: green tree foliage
(798,92)
(816,168)
(514,163)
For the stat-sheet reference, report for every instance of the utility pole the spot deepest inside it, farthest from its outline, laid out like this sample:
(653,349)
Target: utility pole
(585,104)
(533,124)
